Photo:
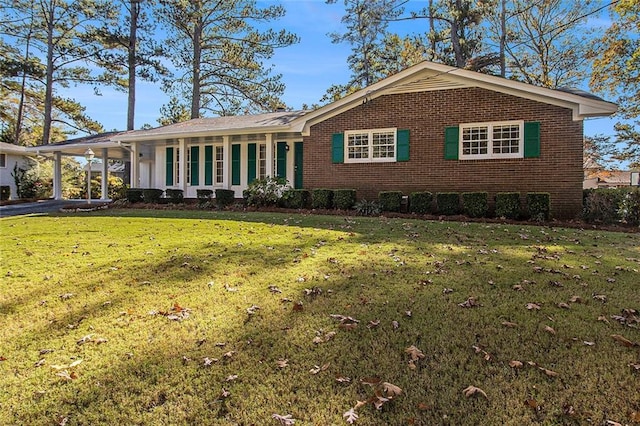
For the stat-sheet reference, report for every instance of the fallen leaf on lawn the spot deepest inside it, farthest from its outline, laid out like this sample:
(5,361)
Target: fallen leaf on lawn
(509,324)
(65,374)
(395,325)
(635,416)
(208,361)
(533,306)
(469,303)
(532,403)
(350,416)
(274,289)
(623,340)
(316,369)
(371,381)
(229,354)
(75,363)
(472,390)
(424,407)
(587,343)
(252,309)
(408,313)
(379,401)
(549,373)
(635,366)
(224,394)
(348,326)
(298,307)
(231,378)
(2,358)
(282,363)
(414,353)
(390,389)
(601,297)
(564,305)
(41,362)
(612,423)
(549,330)
(518,287)
(342,379)
(575,299)
(373,324)
(360,404)
(285,420)
(515,364)
(603,319)
(85,339)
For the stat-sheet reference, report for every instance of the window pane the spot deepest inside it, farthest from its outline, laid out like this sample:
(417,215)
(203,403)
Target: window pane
(358,145)
(475,140)
(384,145)
(506,139)
(219,158)
(262,161)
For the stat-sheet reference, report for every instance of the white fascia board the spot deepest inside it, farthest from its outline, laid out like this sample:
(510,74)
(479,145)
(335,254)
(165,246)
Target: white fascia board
(205,133)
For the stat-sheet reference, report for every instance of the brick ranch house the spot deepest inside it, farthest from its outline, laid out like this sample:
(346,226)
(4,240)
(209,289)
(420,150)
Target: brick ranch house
(430,127)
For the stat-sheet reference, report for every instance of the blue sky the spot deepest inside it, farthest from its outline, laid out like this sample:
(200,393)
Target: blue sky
(308,69)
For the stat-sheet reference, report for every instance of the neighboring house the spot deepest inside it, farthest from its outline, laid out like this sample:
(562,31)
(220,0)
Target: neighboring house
(10,156)
(610,179)
(431,128)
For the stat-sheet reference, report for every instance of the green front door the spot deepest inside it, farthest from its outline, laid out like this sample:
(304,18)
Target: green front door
(297,165)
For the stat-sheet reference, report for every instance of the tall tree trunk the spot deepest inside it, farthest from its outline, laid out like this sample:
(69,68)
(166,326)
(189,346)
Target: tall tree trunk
(133,29)
(432,31)
(197,56)
(48,92)
(503,38)
(18,129)
(455,39)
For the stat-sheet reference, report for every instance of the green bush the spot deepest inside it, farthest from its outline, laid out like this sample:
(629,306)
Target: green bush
(630,208)
(134,195)
(296,199)
(539,205)
(265,192)
(152,195)
(367,208)
(204,195)
(420,202)
(475,204)
(322,198)
(390,201)
(175,196)
(225,197)
(344,199)
(448,203)
(508,205)
(5,192)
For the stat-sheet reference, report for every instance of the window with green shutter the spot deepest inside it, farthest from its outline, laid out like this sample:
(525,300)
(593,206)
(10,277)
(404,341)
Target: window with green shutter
(169,167)
(251,162)
(451,139)
(337,148)
(532,139)
(402,145)
(195,165)
(235,164)
(208,165)
(281,160)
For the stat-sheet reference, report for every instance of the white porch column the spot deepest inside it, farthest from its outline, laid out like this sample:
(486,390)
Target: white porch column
(57,175)
(226,162)
(182,165)
(105,174)
(135,166)
(269,168)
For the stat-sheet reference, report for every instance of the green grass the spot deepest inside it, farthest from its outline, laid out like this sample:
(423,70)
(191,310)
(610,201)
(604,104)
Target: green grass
(116,275)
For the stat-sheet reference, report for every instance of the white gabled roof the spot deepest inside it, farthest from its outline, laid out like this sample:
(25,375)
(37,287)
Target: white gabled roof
(427,76)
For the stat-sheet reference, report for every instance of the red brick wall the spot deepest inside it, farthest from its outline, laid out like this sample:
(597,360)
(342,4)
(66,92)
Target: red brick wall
(426,114)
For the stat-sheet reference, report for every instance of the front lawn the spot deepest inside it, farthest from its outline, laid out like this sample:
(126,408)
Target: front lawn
(191,317)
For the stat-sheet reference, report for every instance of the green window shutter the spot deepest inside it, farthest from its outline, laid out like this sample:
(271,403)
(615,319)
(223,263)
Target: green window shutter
(281,159)
(208,165)
(451,140)
(532,139)
(402,145)
(169,167)
(235,164)
(337,148)
(251,163)
(195,165)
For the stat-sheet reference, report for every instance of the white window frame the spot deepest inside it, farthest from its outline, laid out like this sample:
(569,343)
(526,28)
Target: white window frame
(490,154)
(370,133)
(218,165)
(261,171)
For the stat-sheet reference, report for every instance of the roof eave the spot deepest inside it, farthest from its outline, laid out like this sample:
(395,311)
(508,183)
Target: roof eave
(204,133)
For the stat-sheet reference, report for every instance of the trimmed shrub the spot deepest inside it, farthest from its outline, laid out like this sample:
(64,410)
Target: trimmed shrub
(297,198)
(390,201)
(508,205)
(420,202)
(448,203)
(322,198)
(265,192)
(475,204)
(539,205)
(225,197)
(367,208)
(344,199)
(152,195)
(134,195)
(5,192)
(204,195)
(175,196)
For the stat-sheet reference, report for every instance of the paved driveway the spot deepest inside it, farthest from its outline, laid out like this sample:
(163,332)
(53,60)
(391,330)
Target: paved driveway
(42,206)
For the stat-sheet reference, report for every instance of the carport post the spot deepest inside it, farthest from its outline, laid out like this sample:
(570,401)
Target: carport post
(57,175)
(105,174)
